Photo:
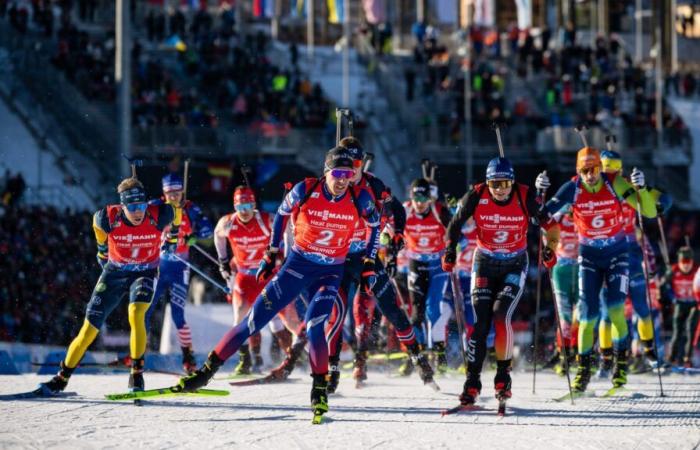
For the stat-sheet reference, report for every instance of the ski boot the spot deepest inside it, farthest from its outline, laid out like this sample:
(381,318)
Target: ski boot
(502,381)
(406,368)
(418,358)
(257,363)
(359,372)
(319,396)
(638,365)
(471,390)
(59,381)
(283,371)
(201,376)
(440,357)
(583,374)
(606,363)
(244,364)
(189,364)
(333,375)
(553,361)
(564,362)
(650,354)
(619,377)
(136,382)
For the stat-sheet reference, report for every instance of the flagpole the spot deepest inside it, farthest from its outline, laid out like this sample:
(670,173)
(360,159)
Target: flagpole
(310,28)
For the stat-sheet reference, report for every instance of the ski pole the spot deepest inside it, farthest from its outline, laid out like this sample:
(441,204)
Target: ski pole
(557,317)
(404,305)
(205,253)
(581,130)
(134,163)
(202,274)
(184,187)
(425,168)
(369,158)
(458,298)
(538,294)
(664,245)
(640,218)
(497,128)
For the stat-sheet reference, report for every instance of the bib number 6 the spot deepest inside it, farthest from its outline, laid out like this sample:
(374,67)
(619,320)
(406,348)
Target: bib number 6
(598,222)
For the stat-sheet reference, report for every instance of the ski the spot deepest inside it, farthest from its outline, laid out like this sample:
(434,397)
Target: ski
(267,379)
(165,392)
(460,408)
(432,385)
(36,393)
(615,390)
(575,395)
(117,364)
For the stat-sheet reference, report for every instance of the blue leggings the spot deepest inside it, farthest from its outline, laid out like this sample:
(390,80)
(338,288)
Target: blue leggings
(296,274)
(427,283)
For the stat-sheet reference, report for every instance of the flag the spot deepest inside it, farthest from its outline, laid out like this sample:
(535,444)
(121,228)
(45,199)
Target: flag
(175,43)
(263,8)
(374,11)
(219,177)
(298,8)
(484,13)
(336,13)
(524,8)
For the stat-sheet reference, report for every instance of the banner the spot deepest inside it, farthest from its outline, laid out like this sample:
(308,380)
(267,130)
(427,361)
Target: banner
(336,13)
(297,8)
(263,8)
(484,13)
(524,8)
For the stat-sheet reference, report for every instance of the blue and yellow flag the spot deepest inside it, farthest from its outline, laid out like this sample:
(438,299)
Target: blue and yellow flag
(336,12)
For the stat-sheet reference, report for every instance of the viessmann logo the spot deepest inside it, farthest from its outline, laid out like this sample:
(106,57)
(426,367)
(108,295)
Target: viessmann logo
(593,204)
(497,218)
(325,215)
(132,238)
(420,227)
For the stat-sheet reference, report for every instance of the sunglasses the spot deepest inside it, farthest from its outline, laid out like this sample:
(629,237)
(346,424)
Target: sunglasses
(245,207)
(342,173)
(134,207)
(500,184)
(420,199)
(590,170)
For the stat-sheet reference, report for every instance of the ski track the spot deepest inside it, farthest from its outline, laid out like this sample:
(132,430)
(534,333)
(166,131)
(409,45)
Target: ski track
(387,413)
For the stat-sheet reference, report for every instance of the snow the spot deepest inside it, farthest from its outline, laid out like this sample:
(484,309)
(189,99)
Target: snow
(389,412)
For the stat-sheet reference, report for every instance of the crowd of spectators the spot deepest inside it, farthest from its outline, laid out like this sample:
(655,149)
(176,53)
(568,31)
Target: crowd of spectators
(47,273)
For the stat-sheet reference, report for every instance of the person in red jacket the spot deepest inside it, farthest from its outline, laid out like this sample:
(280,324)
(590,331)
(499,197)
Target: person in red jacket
(685,314)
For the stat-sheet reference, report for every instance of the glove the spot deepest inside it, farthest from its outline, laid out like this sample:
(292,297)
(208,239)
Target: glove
(397,243)
(449,259)
(637,178)
(102,255)
(549,257)
(368,276)
(390,267)
(267,265)
(190,240)
(170,241)
(225,268)
(542,182)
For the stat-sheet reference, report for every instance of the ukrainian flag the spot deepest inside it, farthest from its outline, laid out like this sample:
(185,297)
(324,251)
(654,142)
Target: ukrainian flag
(336,12)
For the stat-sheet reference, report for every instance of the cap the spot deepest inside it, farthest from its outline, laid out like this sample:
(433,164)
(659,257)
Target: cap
(338,157)
(172,182)
(243,194)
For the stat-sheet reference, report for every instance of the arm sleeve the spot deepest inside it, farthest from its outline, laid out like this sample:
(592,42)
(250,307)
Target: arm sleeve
(369,213)
(662,200)
(445,215)
(167,215)
(220,238)
(200,223)
(562,199)
(100,225)
(289,203)
(399,214)
(465,210)
(624,189)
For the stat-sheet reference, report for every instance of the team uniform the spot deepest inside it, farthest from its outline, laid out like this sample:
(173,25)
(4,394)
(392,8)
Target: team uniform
(603,258)
(323,225)
(129,255)
(685,313)
(174,275)
(427,282)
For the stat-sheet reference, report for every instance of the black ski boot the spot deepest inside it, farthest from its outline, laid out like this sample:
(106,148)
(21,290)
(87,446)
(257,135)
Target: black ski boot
(502,381)
(258,363)
(471,390)
(440,357)
(136,382)
(606,363)
(619,377)
(553,361)
(201,376)
(418,358)
(283,371)
(59,381)
(583,374)
(189,364)
(244,363)
(359,372)
(333,374)
(319,396)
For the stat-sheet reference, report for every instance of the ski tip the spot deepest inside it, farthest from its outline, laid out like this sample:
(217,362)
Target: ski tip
(433,385)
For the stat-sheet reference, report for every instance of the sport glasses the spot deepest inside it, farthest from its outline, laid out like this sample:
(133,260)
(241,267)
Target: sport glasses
(245,207)
(595,170)
(342,173)
(500,184)
(420,198)
(134,207)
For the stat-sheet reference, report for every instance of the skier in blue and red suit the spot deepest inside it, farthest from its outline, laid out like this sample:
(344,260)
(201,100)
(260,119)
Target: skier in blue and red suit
(325,212)
(173,274)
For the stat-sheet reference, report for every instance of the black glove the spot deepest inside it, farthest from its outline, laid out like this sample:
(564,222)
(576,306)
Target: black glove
(449,259)
(170,241)
(368,276)
(549,258)
(225,268)
(390,266)
(267,265)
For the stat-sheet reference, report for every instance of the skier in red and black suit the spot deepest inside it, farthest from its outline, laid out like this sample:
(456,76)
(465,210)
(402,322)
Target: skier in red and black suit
(502,210)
